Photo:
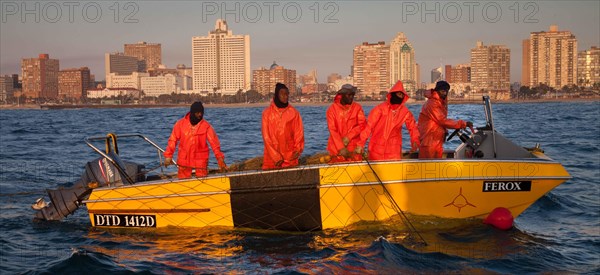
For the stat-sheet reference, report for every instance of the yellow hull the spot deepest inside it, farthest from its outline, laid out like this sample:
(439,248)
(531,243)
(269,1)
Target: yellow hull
(329,196)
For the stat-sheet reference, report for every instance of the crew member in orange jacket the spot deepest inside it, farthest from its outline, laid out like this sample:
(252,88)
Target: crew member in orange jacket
(282,131)
(345,120)
(433,121)
(384,125)
(192,133)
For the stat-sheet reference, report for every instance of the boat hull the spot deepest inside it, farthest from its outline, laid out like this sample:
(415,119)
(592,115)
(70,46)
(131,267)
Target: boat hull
(329,196)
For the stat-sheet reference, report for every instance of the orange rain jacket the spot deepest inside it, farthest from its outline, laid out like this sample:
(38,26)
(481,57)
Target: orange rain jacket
(433,123)
(193,149)
(344,121)
(283,134)
(385,124)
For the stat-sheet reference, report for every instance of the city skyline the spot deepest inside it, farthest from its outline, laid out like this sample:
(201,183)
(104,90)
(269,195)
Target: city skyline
(304,45)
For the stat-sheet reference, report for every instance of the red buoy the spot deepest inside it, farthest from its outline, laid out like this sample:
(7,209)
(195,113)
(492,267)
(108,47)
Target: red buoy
(500,218)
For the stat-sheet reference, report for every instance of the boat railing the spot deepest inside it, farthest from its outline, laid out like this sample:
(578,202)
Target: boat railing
(111,146)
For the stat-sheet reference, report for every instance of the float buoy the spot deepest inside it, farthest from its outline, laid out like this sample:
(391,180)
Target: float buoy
(500,218)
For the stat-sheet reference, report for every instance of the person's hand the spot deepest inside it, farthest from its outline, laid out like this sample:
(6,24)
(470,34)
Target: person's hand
(279,163)
(470,125)
(295,155)
(346,141)
(414,147)
(358,149)
(222,165)
(168,161)
(344,153)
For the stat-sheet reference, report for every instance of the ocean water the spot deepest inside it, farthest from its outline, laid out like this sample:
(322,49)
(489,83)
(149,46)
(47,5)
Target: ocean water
(43,149)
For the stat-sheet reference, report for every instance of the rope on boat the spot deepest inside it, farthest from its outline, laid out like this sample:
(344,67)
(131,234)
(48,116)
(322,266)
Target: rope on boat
(395,204)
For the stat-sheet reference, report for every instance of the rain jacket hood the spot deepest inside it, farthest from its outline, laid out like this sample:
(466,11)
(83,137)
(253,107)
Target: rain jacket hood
(283,134)
(398,87)
(276,100)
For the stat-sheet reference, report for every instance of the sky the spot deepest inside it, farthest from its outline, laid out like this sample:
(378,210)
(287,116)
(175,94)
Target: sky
(300,35)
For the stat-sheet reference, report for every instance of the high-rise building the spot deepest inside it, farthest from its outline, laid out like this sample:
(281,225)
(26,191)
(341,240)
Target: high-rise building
(119,64)
(221,61)
(73,83)
(40,77)
(149,53)
(6,87)
(264,80)
(418,75)
(402,62)
(436,74)
(525,66)
(588,67)
(16,81)
(371,68)
(552,58)
(490,68)
(458,74)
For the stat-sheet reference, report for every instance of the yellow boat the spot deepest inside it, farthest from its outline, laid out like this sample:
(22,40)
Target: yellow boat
(485,172)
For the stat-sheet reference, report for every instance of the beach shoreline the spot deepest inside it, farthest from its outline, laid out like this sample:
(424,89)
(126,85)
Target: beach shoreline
(264,104)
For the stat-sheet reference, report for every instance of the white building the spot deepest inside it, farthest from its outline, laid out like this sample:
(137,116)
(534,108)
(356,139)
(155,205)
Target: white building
(161,85)
(403,65)
(221,61)
(125,81)
(108,92)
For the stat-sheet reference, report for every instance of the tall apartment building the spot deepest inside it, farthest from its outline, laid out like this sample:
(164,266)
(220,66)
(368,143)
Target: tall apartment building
(403,65)
(525,64)
(264,80)
(551,58)
(588,67)
(40,77)
(149,53)
(371,65)
(73,83)
(490,68)
(458,74)
(6,87)
(221,61)
(119,64)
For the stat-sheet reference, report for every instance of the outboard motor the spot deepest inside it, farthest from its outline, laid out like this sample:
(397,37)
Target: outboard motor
(100,172)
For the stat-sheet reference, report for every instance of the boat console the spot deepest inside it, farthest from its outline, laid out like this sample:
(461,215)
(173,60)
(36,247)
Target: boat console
(486,142)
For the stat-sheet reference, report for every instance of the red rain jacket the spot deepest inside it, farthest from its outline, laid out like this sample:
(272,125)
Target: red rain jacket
(283,135)
(344,121)
(385,124)
(193,149)
(433,123)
